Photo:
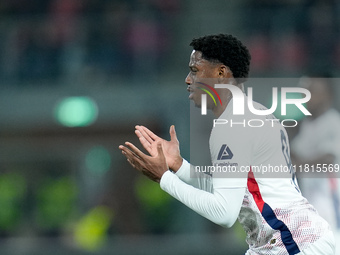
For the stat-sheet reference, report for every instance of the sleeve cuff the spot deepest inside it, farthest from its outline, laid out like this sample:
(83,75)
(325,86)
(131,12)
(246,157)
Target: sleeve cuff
(184,170)
(166,178)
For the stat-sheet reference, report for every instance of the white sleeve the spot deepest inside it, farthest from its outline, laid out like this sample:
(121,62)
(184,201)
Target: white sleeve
(186,175)
(221,207)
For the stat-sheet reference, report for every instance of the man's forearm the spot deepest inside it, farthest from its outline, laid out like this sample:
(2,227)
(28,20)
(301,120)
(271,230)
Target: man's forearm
(221,207)
(188,176)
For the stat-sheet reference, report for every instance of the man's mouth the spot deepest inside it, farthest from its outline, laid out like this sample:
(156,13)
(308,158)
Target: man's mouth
(191,91)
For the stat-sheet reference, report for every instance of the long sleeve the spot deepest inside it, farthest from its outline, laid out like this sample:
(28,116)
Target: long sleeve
(189,177)
(221,207)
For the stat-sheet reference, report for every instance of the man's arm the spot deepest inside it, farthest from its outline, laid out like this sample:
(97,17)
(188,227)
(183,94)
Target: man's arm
(222,206)
(185,174)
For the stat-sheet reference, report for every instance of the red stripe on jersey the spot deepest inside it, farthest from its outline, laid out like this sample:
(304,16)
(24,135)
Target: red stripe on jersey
(253,188)
(270,217)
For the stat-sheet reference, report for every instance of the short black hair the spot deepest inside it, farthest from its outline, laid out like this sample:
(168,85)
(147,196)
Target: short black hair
(227,50)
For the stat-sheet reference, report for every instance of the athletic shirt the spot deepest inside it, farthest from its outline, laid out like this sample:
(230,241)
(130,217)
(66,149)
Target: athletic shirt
(276,217)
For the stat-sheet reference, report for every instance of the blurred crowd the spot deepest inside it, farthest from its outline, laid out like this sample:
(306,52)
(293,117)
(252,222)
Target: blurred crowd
(62,41)
(48,40)
(293,36)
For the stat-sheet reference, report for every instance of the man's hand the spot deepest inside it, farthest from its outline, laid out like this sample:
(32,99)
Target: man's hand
(152,166)
(171,148)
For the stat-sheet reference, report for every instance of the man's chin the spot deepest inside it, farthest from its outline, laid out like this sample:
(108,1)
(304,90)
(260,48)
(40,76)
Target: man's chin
(197,105)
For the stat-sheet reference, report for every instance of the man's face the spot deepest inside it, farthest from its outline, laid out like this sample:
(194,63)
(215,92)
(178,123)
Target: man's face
(201,71)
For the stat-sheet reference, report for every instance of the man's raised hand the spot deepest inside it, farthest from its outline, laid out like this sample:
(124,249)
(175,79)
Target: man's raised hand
(170,148)
(152,166)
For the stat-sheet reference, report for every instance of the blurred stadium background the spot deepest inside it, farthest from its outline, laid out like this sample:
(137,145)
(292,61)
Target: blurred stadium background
(77,75)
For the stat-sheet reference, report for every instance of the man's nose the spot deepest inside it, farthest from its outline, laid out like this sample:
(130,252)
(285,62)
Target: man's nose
(188,80)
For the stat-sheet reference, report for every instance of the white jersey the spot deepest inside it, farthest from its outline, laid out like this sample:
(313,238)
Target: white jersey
(274,214)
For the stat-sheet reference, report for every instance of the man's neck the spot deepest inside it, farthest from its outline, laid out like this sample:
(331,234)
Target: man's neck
(219,109)
(226,98)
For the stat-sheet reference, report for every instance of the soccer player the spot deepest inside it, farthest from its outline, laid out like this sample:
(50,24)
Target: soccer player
(272,211)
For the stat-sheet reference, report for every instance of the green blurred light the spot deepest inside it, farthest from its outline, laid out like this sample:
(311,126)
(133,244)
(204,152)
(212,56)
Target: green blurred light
(76,111)
(56,201)
(150,194)
(13,189)
(90,232)
(98,160)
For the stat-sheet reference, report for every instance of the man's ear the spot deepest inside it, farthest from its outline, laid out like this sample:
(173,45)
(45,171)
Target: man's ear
(224,72)
(225,75)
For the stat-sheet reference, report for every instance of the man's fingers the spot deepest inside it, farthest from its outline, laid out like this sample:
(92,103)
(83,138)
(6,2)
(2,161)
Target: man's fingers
(172,132)
(140,132)
(145,143)
(135,150)
(131,157)
(160,149)
(132,164)
(128,153)
(148,133)
(160,155)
